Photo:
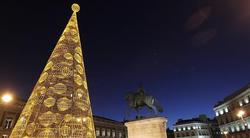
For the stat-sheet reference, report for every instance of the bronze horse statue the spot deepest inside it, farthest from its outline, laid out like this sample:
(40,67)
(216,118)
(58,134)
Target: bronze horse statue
(139,99)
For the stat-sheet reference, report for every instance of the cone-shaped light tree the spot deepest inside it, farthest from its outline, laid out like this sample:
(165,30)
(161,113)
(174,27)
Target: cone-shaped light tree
(59,105)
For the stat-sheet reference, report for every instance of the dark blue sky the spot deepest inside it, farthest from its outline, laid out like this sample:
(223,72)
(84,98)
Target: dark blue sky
(187,53)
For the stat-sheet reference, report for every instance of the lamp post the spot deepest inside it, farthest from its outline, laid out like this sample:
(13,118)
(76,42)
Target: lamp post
(241,114)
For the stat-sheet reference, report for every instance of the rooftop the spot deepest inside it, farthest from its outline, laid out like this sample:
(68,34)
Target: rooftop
(200,119)
(233,95)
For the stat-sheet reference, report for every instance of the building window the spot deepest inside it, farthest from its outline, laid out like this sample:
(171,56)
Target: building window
(246,100)
(97,132)
(120,134)
(237,128)
(240,103)
(8,123)
(113,133)
(232,129)
(226,109)
(108,133)
(5,136)
(217,113)
(221,112)
(103,133)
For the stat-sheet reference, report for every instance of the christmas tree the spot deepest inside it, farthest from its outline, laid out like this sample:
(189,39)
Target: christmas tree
(59,105)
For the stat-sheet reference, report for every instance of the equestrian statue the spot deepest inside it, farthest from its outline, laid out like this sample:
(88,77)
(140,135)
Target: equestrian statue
(138,99)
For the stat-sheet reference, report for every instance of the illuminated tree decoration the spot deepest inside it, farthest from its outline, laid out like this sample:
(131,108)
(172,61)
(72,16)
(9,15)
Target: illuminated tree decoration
(59,105)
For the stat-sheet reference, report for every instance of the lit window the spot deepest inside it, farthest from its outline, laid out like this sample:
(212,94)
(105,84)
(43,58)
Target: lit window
(217,113)
(113,133)
(237,128)
(120,135)
(108,133)
(246,100)
(184,128)
(194,127)
(226,109)
(103,132)
(221,112)
(174,129)
(243,127)
(240,103)
(179,129)
(5,136)
(8,123)
(189,128)
(97,132)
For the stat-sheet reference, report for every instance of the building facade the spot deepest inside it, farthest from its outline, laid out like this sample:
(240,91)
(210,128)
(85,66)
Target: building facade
(233,114)
(196,128)
(105,128)
(9,113)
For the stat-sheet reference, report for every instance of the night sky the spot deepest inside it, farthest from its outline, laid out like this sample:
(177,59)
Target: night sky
(189,54)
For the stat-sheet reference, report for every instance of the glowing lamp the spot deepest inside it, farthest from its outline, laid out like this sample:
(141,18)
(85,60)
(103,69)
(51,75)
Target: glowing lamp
(7,98)
(225,132)
(241,113)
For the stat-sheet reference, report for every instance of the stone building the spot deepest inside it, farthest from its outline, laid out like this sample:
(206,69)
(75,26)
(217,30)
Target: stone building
(105,128)
(9,113)
(201,127)
(170,133)
(108,128)
(233,114)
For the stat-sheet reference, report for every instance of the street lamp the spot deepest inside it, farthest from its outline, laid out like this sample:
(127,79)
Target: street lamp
(240,114)
(6,98)
(225,133)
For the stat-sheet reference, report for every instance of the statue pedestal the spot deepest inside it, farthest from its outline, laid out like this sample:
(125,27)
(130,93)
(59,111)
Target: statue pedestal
(154,127)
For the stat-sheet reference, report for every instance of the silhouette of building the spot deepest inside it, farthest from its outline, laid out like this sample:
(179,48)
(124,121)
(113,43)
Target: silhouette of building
(233,114)
(201,127)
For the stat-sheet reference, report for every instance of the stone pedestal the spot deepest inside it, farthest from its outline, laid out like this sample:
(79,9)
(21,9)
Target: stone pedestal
(154,127)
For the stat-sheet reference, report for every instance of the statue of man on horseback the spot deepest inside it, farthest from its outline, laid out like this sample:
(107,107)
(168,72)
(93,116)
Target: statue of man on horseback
(139,99)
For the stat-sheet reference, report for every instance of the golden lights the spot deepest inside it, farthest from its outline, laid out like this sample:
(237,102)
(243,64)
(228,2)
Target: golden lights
(59,105)
(75,7)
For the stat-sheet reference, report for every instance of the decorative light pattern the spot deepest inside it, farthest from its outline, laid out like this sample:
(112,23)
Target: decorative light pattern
(59,105)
